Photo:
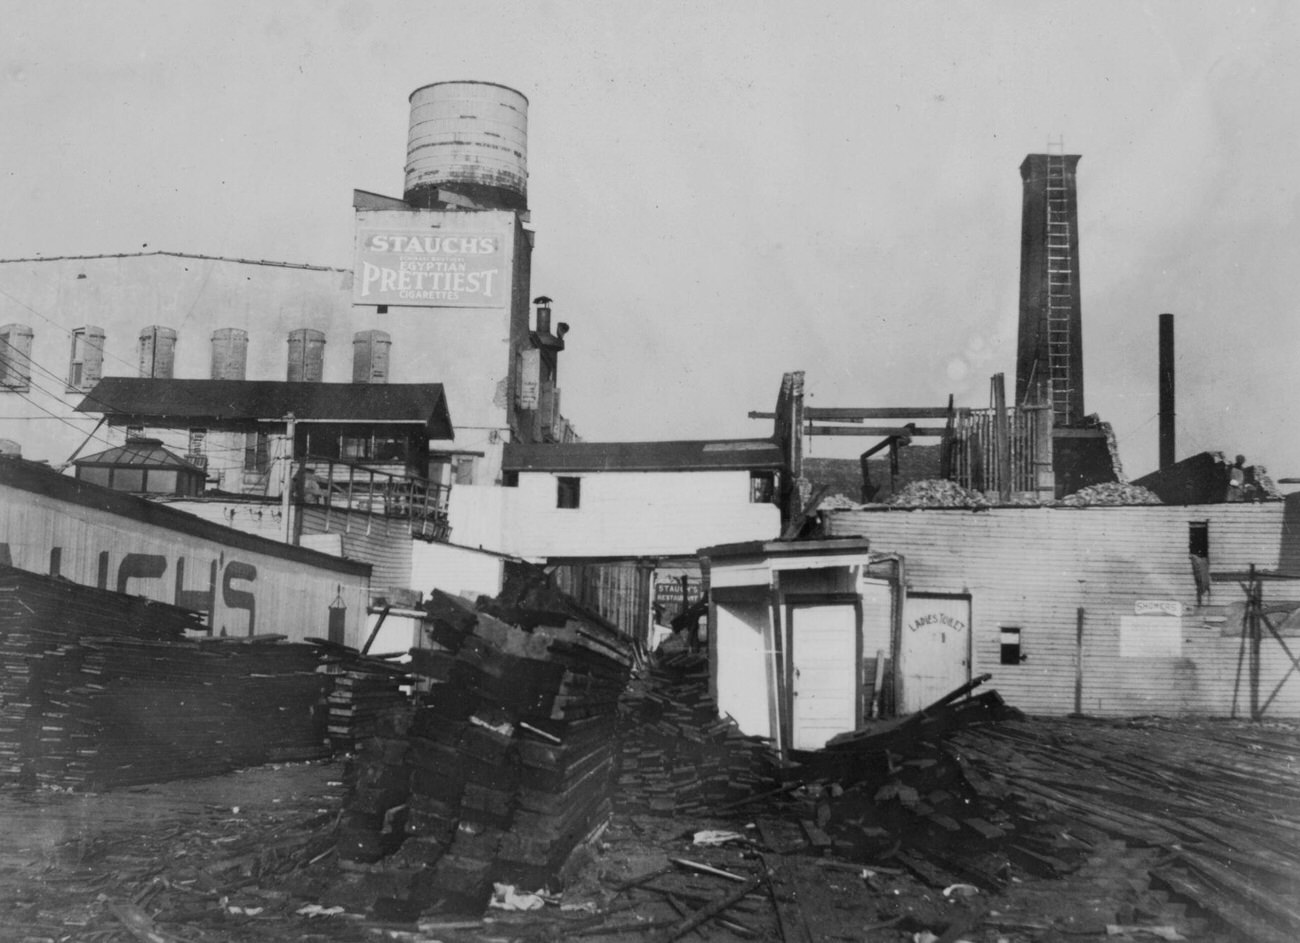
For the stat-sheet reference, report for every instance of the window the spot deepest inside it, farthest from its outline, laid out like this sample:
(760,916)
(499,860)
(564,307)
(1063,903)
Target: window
(306,355)
(762,487)
(390,448)
(86,364)
(229,353)
(370,351)
(196,453)
(568,492)
(128,479)
(157,352)
(463,467)
(1198,551)
(160,481)
(1011,654)
(15,357)
(255,451)
(95,474)
(355,448)
(140,480)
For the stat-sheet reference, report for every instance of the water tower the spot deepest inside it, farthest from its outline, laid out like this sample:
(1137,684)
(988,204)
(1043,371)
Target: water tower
(471,139)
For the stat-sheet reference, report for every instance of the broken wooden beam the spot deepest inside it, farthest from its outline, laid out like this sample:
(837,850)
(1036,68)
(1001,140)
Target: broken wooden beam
(690,922)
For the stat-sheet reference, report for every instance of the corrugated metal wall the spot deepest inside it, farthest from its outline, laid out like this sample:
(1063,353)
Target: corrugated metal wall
(1034,568)
(384,543)
(618,591)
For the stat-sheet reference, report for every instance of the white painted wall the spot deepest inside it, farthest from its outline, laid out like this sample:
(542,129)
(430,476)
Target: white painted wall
(400,632)
(288,596)
(477,514)
(468,350)
(454,569)
(741,671)
(634,514)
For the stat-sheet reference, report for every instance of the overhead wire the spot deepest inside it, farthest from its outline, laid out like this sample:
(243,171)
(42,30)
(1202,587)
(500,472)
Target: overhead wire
(19,356)
(70,332)
(88,395)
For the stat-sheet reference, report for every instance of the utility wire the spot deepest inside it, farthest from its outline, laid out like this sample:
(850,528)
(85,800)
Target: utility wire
(68,331)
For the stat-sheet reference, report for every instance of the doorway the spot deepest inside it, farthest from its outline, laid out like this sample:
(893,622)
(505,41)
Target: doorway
(824,659)
(934,651)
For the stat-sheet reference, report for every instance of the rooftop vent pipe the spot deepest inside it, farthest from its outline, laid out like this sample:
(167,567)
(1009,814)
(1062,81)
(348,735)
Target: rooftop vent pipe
(543,314)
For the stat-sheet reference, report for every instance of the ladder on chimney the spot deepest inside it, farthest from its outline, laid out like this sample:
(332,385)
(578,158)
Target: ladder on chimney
(1060,290)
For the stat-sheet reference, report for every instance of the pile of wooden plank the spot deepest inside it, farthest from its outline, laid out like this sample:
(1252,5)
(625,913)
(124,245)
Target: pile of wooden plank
(40,615)
(894,789)
(121,712)
(506,763)
(99,689)
(1176,823)
(364,692)
(1215,804)
(677,756)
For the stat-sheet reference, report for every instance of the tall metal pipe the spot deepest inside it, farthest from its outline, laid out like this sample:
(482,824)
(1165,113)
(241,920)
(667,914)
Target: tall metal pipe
(1166,390)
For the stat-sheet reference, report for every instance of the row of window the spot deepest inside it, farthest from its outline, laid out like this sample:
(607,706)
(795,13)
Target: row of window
(346,443)
(157,355)
(140,480)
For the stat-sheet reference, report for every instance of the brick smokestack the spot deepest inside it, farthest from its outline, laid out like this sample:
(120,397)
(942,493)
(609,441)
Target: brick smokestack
(1049,355)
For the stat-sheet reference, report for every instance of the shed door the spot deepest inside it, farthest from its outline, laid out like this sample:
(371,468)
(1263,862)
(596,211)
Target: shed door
(824,658)
(934,652)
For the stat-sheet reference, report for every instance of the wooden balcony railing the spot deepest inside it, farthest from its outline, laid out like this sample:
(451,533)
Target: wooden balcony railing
(351,488)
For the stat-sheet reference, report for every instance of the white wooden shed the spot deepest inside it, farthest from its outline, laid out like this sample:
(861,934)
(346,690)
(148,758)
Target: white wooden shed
(800,635)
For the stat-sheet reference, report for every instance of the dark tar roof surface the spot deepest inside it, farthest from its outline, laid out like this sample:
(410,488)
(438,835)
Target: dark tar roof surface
(272,400)
(711,455)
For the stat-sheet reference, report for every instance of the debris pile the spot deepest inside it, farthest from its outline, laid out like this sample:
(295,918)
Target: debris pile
(893,790)
(937,493)
(99,689)
(504,764)
(231,858)
(677,756)
(1213,809)
(1140,824)
(1110,493)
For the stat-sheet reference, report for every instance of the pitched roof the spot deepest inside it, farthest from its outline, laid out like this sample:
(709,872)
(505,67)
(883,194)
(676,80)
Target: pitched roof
(272,399)
(712,455)
(50,485)
(144,453)
(179,255)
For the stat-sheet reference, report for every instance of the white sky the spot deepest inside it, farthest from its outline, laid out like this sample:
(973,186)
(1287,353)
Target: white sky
(725,191)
